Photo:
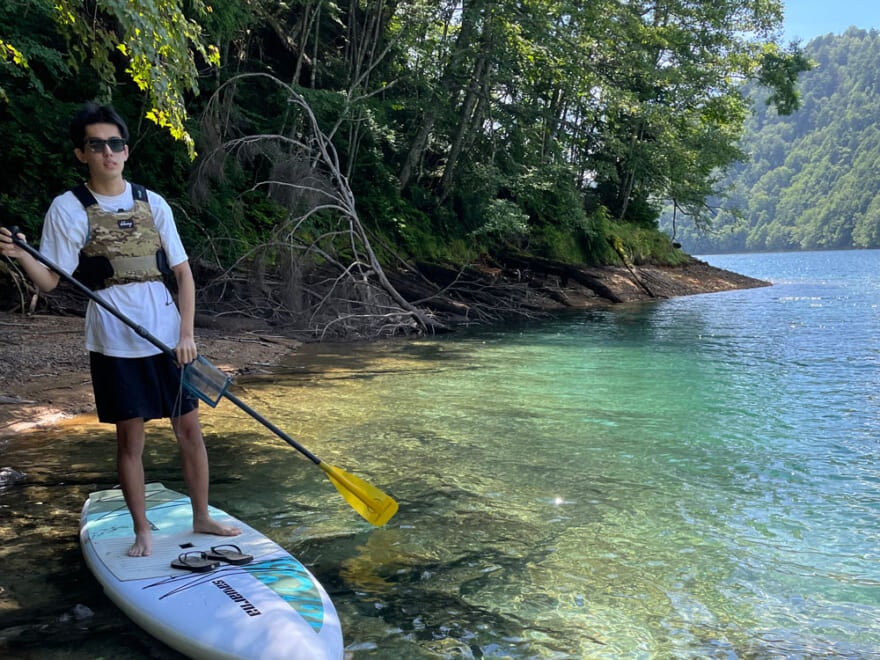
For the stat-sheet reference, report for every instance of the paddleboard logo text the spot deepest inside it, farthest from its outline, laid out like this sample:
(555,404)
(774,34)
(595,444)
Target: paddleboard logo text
(236,597)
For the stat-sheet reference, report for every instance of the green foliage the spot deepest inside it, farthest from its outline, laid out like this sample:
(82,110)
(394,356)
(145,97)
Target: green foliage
(158,43)
(549,196)
(9,54)
(26,192)
(779,73)
(505,223)
(33,124)
(27,47)
(231,224)
(558,245)
(810,182)
(461,127)
(639,245)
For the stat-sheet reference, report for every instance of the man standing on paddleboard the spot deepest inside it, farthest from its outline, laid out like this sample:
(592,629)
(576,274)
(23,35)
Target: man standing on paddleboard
(119,238)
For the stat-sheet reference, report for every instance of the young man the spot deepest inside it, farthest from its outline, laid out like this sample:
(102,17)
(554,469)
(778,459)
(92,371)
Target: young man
(115,224)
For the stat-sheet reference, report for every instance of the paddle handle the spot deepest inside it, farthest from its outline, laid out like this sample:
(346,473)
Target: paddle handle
(140,330)
(269,425)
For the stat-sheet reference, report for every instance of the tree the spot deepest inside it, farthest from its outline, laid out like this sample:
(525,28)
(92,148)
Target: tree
(674,109)
(334,282)
(809,182)
(160,46)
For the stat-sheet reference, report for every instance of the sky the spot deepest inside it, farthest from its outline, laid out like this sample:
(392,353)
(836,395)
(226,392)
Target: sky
(805,19)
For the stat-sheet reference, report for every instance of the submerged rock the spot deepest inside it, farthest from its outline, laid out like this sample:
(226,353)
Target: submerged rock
(10,476)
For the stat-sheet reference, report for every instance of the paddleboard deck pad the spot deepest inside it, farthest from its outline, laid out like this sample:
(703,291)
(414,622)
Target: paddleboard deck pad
(271,607)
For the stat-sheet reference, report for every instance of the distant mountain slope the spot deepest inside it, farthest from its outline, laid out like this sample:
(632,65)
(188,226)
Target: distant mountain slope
(813,178)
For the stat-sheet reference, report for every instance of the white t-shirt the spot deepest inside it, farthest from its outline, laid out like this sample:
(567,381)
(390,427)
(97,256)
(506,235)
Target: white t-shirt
(147,304)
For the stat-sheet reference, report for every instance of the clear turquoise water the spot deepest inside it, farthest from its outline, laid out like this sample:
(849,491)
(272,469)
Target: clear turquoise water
(690,478)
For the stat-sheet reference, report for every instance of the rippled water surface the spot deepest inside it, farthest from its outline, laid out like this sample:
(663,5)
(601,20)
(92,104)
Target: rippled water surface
(691,478)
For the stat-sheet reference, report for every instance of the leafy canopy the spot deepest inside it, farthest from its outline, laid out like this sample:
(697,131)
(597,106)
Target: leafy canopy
(160,45)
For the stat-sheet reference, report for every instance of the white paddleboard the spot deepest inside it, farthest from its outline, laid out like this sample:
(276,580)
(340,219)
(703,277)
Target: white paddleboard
(270,608)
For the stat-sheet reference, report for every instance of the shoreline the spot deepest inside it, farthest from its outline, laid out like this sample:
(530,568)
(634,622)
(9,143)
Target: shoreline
(44,372)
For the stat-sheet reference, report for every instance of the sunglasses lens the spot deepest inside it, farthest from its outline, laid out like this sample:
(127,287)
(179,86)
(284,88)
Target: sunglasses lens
(96,145)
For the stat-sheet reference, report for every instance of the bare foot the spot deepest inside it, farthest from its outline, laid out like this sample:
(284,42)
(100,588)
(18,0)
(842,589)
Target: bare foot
(208,525)
(142,546)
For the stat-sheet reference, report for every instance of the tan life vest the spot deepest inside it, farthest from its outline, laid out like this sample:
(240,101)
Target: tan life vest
(122,246)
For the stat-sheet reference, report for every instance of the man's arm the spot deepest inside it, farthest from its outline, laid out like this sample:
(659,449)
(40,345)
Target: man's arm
(186,301)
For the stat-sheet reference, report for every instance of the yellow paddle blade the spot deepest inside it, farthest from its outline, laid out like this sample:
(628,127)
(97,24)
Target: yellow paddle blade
(374,506)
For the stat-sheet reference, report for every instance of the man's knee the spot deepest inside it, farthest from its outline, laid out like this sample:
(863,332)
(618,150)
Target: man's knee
(130,435)
(187,428)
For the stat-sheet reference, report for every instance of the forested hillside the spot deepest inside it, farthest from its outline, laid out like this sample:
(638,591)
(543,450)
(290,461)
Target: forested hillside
(812,180)
(337,141)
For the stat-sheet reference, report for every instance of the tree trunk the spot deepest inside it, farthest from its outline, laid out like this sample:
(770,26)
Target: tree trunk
(465,125)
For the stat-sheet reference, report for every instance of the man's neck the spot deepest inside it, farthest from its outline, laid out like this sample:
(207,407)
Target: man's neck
(108,187)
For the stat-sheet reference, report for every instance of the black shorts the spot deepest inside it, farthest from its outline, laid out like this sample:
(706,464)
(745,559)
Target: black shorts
(149,387)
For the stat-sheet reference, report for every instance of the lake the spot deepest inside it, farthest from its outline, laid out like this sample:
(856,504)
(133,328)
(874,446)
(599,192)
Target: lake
(690,478)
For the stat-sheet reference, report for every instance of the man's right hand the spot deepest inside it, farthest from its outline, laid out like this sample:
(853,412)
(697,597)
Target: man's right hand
(7,247)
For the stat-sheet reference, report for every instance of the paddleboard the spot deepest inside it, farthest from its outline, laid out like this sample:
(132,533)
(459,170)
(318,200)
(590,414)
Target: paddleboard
(271,607)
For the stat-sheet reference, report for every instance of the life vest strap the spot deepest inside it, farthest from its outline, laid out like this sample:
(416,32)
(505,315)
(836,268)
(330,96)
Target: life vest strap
(127,266)
(87,199)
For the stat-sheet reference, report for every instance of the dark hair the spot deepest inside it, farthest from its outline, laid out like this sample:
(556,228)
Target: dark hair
(92,113)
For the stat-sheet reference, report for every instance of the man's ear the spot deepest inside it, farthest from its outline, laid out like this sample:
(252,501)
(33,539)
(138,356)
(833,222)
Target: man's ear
(80,155)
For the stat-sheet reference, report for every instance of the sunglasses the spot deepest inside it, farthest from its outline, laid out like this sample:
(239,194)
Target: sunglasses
(97,145)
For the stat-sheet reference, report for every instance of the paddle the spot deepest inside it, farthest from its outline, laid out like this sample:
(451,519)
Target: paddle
(371,503)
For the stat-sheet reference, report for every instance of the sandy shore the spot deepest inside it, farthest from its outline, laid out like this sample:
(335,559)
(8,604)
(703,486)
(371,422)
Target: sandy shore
(44,369)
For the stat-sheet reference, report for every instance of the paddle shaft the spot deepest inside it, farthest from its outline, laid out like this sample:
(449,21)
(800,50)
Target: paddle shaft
(141,331)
